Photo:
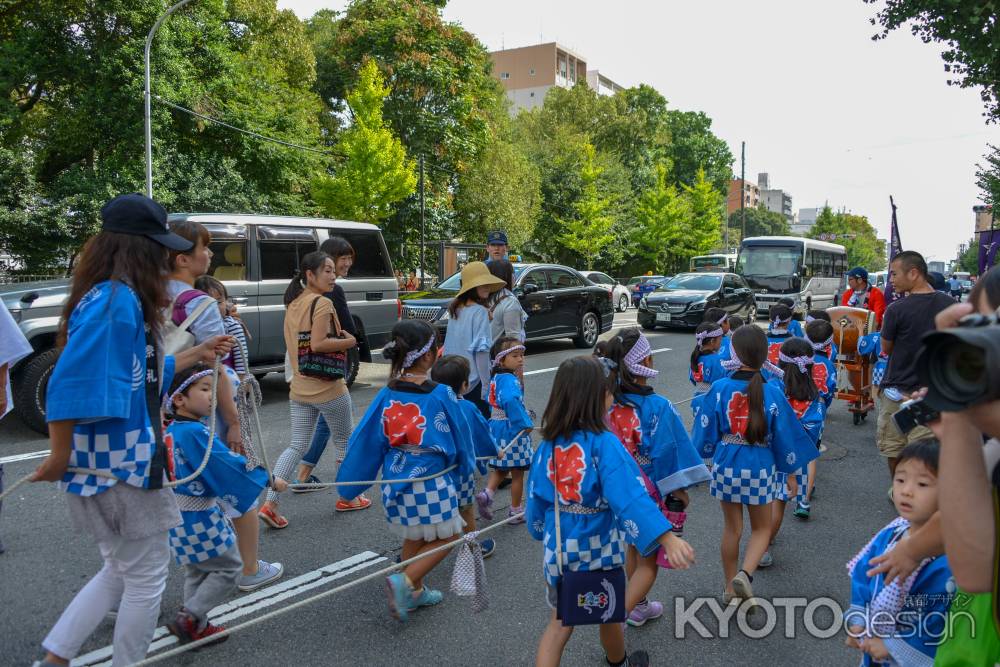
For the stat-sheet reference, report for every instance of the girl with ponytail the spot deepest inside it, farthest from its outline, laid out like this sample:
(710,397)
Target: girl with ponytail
(651,431)
(746,426)
(707,356)
(779,330)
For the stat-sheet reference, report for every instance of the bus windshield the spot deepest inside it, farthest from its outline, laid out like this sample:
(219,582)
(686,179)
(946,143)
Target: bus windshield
(769,261)
(710,263)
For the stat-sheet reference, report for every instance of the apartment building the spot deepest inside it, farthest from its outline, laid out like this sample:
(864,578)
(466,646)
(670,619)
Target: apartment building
(774,199)
(527,73)
(750,195)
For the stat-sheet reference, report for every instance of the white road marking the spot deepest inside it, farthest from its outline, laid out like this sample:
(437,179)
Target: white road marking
(23,457)
(550,370)
(248,604)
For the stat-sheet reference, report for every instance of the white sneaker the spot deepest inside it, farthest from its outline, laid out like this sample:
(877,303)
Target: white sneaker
(266,573)
(766,560)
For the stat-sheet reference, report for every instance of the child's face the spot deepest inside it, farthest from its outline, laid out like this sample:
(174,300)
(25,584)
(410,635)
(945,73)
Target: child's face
(711,344)
(221,300)
(197,399)
(513,361)
(725,327)
(914,491)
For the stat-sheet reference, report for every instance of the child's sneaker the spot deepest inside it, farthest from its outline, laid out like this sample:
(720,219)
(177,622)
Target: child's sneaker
(638,659)
(185,628)
(802,510)
(516,511)
(644,611)
(489,545)
(400,595)
(266,573)
(484,503)
(311,479)
(767,560)
(428,597)
(743,589)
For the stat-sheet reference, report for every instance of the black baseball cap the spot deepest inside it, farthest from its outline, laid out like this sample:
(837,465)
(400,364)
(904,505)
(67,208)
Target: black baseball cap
(496,238)
(137,214)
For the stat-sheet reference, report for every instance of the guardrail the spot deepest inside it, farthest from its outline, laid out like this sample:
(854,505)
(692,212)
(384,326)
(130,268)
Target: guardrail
(14,278)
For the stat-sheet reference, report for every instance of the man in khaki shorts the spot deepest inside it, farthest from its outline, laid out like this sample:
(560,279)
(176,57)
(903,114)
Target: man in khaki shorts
(904,325)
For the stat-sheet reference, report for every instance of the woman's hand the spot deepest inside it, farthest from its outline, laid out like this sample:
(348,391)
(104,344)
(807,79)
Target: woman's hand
(216,346)
(896,563)
(950,316)
(279,484)
(678,552)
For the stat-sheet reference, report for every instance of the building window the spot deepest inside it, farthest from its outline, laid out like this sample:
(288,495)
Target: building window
(531,72)
(504,76)
(531,95)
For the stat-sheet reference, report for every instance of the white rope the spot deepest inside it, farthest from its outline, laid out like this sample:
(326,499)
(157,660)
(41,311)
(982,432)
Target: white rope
(370,482)
(168,484)
(458,541)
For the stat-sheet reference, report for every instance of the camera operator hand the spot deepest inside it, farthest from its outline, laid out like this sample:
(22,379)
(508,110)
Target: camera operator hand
(950,316)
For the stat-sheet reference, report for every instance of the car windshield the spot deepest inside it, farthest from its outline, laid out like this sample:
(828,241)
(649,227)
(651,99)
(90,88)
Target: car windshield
(694,281)
(454,282)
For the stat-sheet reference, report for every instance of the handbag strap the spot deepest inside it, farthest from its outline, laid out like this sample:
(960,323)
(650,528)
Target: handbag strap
(312,309)
(198,310)
(555,489)
(158,461)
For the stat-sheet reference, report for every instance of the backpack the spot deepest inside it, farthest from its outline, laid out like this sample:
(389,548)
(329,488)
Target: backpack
(176,337)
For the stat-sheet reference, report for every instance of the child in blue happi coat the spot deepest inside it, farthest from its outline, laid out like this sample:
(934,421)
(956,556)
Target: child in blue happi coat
(652,432)
(707,357)
(794,326)
(413,429)
(721,318)
(748,428)
(796,362)
(511,427)
(903,622)
(603,502)
(819,335)
(453,370)
(204,543)
(778,330)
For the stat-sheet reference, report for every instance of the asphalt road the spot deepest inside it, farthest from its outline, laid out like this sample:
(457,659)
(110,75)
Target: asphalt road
(46,563)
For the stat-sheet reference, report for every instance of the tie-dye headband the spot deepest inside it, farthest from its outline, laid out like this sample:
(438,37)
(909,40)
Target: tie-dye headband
(168,400)
(634,357)
(411,357)
(802,362)
(500,355)
(701,336)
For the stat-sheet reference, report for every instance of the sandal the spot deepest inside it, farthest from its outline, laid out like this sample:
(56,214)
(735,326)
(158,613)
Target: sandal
(272,518)
(359,503)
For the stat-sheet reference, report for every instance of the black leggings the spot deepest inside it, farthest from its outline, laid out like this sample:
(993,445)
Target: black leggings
(475,395)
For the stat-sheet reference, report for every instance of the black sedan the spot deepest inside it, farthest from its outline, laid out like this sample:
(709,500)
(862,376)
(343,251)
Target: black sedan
(683,300)
(560,303)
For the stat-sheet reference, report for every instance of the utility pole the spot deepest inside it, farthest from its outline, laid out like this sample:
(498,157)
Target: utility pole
(423,272)
(743,185)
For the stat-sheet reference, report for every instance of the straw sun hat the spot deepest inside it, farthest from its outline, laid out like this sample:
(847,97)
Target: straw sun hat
(476,274)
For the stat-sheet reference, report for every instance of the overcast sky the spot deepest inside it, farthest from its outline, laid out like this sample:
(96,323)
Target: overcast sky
(831,115)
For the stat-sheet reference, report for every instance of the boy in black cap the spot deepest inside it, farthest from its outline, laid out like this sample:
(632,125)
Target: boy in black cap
(496,246)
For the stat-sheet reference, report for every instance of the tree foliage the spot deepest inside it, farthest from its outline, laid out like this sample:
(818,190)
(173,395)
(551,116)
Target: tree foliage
(71,73)
(695,147)
(988,177)
(375,173)
(661,214)
(587,228)
(759,222)
(970,32)
(856,234)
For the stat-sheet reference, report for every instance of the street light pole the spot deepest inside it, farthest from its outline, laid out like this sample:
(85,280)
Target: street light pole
(743,185)
(147,99)
(423,268)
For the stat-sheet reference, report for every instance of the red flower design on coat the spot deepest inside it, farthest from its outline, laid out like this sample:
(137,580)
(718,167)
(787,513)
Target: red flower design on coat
(624,423)
(820,375)
(738,412)
(800,407)
(570,472)
(493,395)
(403,424)
(772,352)
(699,375)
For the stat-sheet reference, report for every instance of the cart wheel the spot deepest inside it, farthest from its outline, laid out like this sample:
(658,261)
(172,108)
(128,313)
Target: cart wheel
(857,418)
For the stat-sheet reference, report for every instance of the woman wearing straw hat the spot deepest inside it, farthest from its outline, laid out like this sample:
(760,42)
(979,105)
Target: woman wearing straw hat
(469,333)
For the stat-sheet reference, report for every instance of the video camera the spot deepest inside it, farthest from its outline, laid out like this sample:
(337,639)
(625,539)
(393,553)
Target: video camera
(960,367)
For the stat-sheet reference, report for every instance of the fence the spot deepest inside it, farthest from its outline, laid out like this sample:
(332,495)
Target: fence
(14,278)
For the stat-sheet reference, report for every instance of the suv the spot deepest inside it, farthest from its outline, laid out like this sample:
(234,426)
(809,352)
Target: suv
(560,303)
(255,256)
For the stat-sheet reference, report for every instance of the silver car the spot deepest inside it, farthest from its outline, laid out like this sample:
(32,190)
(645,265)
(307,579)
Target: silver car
(620,295)
(255,256)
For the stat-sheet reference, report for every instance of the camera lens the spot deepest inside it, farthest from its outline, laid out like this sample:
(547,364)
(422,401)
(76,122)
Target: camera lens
(958,367)
(964,368)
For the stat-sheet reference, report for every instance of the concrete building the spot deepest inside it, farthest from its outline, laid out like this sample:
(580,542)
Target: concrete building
(774,199)
(806,220)
(750,195)
(527,73)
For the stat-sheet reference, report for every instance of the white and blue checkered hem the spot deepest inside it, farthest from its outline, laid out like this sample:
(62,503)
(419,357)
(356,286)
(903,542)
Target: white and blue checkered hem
(743,486)
(466,490)
(781,485)
(126,457)
(518,456)
(426,511)
(202,535)
(587,554)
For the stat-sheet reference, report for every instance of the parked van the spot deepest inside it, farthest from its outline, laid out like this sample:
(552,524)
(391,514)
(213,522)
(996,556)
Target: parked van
(254,256)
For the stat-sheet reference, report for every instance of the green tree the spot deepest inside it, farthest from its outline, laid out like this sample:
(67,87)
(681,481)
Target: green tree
(587,229)
(969,31)
(856,234)
(968,260)
(759,222)
(704,229)
(71,78)
(694,146)
(500,190)
(661,216)
(988,177)
(375,174)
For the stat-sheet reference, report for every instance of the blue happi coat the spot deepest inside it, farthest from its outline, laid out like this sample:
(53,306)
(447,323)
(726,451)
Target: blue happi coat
(824,375)
(920,620)
(603,504)
(411,431)
(652,432)
(872,345)
(481,441)
(207,533)
(100,381)
(508,419)
(743,472)
(709,370)
(811,414)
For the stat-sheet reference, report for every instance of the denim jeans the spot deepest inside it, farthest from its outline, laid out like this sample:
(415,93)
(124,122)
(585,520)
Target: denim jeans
(320,439)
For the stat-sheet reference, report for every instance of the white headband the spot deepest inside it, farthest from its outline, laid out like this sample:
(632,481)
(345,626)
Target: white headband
(632,359)
(801,362)
(819,346)
(734,363)
(411,357)
(722,320)
(500,355)
(714,333)
(168,401)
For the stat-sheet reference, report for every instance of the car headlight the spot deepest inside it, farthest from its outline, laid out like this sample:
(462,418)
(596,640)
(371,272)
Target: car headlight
(698,305)
(642,303)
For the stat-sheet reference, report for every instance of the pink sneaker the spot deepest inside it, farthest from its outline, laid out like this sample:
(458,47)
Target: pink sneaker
(518,513)
(645,612)
(484,503)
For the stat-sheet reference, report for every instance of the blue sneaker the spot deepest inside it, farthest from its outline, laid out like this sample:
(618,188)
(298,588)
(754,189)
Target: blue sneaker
(266,573)
(427,598)
(489,545)
(400,596)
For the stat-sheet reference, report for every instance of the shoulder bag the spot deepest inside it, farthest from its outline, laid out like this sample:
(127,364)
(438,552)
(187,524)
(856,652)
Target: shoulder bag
(328,366)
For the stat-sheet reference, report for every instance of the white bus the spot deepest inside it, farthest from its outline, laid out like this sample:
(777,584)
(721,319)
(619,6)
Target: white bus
(810,272)
(713,263)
